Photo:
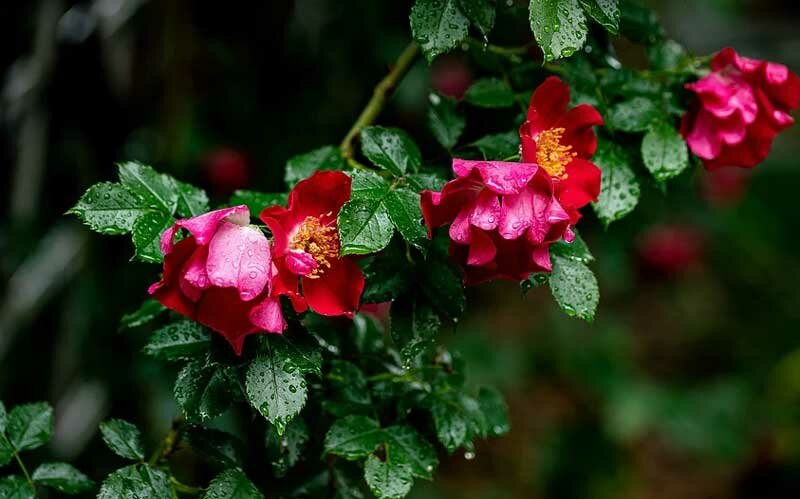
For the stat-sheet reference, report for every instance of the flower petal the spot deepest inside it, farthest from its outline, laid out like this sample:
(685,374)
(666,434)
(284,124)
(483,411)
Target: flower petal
(578,124)
(548,102)
(500,176)
(300,262)
(239,257)
(337,291)
(481,249)
(203,227)
(268,316)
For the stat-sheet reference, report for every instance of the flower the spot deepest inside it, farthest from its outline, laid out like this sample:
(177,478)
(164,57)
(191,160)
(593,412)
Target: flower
(502,217)
(306,247)
(226,170)
(561,141)
(220,275)
(670,249)
(742,105)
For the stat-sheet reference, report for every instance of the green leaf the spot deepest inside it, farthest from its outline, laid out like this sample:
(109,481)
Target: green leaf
(414,327)
(425,181)
(147,235)
(303,165)
(218,447)
(62,477)
(179,340)
(575,288)
(390,148)
(559,27)
(639,23)
(300,351)
(443,286)
(386,274)
(192,201)
(405,213)
(444,120)
(285,451)
(481,13)
(123,438)
(619,190)
(498,146)
(405,445)
(232,484)
(109,208)
(30,425)
(137,481)
(368,185)
(274,388)
(3,417)
(353,437)
(495,411)
(664,152)
(158,190)
(349,391)
(257,201)
(605,12)
(364,227)
(491,93)
(149,310)
(438,26)
(15,487)
(203,391)
(457,418)
(576,250)
(665,55)
(634,115)
(388,479)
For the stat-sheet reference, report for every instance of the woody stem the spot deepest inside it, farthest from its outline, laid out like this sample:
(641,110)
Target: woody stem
(383,90)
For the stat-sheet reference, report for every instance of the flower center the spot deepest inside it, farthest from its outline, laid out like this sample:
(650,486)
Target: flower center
(551,154)
(318,240)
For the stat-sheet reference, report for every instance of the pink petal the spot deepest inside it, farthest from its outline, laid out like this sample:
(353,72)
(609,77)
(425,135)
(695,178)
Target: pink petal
(459,229)
(703,139)
(203,227)
(517,214)
(239,257)
(300,262)
(486,211)
(268,316)
(500,176)
(194,278)
(482,250)
(541,257)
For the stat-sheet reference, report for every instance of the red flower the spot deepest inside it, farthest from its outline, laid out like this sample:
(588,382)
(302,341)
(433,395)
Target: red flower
(502,216)
(669,250)
(742,105)
(227,170)
(306,246)
(562,141)
(220,275)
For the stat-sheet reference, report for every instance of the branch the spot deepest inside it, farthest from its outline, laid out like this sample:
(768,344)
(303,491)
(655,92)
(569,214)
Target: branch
(383,90)
(168,444)
(21,464)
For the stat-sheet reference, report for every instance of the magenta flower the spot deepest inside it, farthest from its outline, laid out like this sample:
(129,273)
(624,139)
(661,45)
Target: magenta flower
(742,105)
(503,217)
(220,275)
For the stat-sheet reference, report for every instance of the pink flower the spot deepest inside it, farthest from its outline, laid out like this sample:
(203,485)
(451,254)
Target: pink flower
(669,250)
(220,275)
(742,105)
(502,216)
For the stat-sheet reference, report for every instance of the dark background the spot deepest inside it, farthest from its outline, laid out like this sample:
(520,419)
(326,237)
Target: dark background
(686,386)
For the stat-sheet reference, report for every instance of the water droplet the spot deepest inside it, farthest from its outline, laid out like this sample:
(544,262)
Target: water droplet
(469,455)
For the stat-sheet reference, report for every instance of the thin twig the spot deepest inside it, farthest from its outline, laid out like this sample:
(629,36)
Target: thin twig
(21,464)
(382,91)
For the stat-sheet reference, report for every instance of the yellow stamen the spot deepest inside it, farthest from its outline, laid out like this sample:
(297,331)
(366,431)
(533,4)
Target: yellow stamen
(319,241)
(551,154)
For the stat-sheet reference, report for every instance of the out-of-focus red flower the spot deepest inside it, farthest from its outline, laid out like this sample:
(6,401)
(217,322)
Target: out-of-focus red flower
(670,250)
(451,76)
(306,247)
(503,217)
(562,141)
(725,187)
(379,311)
(226,170)
(220,275)
(742,105)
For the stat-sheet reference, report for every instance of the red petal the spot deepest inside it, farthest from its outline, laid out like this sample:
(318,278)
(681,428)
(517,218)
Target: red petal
(320,195)
(337,291)
(440,208)
(221,310)
(581,186)
(548,102)
(578,123)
